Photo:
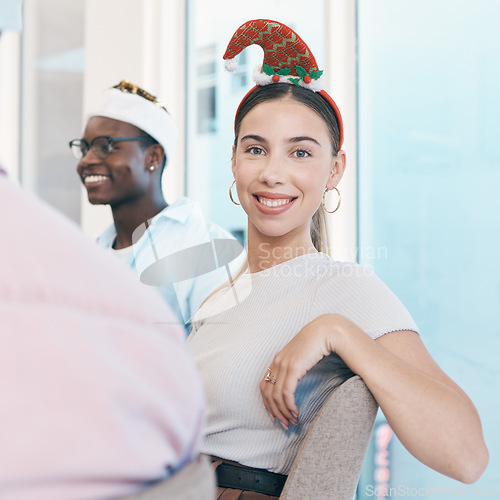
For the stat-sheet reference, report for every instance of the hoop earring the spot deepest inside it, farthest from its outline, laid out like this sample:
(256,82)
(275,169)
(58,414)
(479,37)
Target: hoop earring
(323,204)
(230,192)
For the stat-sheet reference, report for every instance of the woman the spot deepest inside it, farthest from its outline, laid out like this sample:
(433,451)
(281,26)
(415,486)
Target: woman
(128,140)
(301,321)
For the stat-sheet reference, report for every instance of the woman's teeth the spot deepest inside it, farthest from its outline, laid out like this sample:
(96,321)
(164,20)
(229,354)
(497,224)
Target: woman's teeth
(274,203)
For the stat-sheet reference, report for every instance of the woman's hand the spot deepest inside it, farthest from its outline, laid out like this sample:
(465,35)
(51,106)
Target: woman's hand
(430,414)
(315,341)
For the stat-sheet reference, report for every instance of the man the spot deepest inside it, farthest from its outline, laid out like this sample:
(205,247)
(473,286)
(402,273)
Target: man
(100,397)
(128,140)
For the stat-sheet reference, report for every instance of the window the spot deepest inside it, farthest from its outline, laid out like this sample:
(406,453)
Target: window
(50,90)
(206,110)
(428,177)
(241,79)
(206,96)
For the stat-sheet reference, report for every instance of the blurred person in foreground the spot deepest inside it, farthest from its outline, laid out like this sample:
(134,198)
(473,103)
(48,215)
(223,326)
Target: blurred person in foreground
(128,141)
(99,395)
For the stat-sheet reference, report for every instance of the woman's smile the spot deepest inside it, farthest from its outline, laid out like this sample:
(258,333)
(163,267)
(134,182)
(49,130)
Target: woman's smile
(273,203)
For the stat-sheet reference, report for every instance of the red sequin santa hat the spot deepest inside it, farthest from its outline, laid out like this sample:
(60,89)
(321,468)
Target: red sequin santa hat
(287,59)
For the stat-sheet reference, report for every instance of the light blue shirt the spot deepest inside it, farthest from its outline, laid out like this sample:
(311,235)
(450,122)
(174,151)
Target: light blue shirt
(182,254)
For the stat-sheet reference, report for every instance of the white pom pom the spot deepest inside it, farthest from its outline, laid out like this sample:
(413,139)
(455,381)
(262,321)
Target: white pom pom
(261,78)
(317,85)
(231,64)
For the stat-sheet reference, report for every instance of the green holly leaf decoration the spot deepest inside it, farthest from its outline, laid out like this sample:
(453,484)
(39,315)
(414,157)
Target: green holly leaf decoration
(267,69)
(315,74)
(284,71)
(300,71)
(295,81)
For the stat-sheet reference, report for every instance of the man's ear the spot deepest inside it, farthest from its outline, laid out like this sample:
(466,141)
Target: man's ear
(337,170)
(155,156)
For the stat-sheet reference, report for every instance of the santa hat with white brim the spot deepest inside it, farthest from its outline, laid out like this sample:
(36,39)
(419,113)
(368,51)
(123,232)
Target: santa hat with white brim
(131,104)
(287,59)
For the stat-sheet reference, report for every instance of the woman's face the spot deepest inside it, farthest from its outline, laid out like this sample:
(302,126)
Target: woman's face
(123,174)
(282,163)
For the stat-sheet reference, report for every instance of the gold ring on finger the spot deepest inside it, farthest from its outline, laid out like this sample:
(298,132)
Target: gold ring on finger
(269,377)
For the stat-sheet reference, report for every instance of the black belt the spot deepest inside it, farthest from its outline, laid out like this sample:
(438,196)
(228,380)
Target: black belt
(250,479)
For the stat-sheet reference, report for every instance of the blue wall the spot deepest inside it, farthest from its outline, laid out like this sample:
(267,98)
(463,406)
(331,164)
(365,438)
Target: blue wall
(429,189)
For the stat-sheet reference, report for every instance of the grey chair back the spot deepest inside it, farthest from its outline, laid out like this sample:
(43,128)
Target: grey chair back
(329,461)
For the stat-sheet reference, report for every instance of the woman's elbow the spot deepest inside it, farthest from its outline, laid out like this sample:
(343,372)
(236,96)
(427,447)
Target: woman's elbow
(472,466)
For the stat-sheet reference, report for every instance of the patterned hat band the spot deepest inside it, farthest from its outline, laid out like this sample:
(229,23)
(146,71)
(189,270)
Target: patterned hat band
(287,59)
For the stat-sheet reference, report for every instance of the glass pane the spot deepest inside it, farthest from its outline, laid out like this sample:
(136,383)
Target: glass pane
(206,110)
(52,95)
(429,102)
(214,95)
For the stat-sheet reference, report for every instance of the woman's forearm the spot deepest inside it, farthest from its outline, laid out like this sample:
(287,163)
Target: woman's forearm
(434,420)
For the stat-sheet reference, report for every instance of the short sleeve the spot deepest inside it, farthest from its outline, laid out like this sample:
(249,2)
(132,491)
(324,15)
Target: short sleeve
(356,292)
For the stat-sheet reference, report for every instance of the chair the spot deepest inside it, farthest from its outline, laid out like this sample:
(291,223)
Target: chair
(195,481)
(328,463)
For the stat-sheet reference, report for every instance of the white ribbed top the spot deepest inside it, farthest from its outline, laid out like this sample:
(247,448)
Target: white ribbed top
(238,331)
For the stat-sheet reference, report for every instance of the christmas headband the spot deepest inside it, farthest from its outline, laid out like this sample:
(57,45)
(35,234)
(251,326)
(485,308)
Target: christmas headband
(129,103)
(287,59)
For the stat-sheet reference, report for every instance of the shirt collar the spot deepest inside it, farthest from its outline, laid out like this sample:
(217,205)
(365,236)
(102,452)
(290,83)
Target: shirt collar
(180,210)
(107,237)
